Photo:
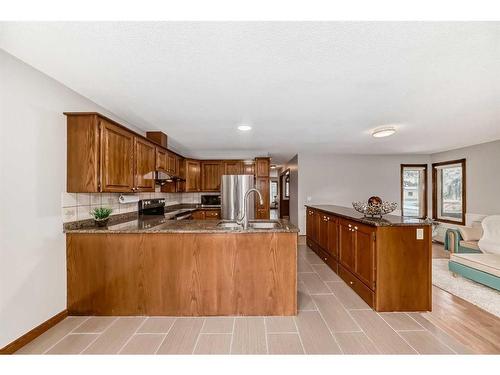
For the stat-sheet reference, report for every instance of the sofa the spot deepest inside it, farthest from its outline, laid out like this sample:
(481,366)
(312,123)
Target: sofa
(464,239)
(480,263)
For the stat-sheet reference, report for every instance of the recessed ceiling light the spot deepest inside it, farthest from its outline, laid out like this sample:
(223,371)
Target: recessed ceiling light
(244,128)
(384,132)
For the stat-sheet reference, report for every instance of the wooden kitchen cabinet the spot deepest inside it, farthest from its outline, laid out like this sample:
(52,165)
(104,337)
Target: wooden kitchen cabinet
(262,211)
(262,166)
(161,160)
(117,158)
(233,167)
(346,244)
(386,265)
(206,214)
(248,168)
(145,156)
(211,173)
(193,176)
(198,215)
(104,156)
(171,164)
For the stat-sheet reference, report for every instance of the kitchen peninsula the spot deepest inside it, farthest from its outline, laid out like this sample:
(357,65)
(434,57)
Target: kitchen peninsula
(386,261)
(182,268)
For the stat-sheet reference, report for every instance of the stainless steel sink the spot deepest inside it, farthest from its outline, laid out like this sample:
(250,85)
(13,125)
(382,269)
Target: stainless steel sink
(253,224)
(229,225)
(267,224)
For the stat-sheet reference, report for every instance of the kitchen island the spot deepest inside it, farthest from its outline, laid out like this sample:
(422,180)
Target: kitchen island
(386,261)
(182,268)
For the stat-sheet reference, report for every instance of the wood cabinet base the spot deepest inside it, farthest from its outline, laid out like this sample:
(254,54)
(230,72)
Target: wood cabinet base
(182,274)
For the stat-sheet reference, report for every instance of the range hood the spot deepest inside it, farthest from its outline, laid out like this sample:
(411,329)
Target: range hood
(161,177)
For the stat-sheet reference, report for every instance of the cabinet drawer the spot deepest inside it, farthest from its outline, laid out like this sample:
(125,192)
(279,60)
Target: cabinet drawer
(212,214)
(361,289)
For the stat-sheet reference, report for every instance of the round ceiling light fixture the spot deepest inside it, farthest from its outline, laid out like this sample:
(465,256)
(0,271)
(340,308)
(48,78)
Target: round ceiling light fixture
(385,131)
(244,128)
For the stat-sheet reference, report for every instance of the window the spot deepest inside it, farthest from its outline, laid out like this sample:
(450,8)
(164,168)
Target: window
(448,191)
(414,190)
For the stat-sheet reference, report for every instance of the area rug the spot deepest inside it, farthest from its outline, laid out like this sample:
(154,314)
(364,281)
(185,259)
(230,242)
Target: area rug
(486,298)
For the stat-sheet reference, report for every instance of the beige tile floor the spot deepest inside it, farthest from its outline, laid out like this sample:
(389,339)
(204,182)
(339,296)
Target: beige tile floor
(332,319)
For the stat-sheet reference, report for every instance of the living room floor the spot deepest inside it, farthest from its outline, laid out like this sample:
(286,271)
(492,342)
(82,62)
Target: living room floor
(332,319)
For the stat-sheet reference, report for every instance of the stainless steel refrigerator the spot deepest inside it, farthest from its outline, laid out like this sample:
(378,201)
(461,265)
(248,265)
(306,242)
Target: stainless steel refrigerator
(233,189)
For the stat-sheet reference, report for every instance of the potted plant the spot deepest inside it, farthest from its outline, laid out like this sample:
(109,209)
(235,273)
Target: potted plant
(101,215)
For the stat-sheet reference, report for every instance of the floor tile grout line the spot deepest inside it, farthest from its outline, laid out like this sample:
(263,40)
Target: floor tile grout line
(132,335)
(433,335)
(265,335)
(398,333)
(68,333)
(90,343)
(198,336)
(166,334)
(232,338)
(298,332)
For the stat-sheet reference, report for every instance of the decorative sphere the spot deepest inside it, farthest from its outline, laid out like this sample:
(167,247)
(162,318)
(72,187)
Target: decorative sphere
(374,200)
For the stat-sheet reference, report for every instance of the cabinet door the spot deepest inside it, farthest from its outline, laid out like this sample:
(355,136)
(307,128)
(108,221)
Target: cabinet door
(211,172)
(333,237)
(161,160)
(117,158)
(144,165)
(249,168)
(364,252)
(309,223)
(346,244)
(198,215)
(262,211)
(262,167)
(233,167)
(323,231)
(315,233)
(212,214)
(192,176)
(171,163)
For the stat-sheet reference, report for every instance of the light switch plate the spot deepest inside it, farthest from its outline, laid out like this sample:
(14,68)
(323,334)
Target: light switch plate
(420,234)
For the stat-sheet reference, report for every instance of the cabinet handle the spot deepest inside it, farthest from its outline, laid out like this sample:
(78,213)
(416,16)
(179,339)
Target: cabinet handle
(351,282)
(350,225)
(355,228)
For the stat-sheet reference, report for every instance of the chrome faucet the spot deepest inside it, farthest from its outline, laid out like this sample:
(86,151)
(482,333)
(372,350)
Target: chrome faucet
(243,220)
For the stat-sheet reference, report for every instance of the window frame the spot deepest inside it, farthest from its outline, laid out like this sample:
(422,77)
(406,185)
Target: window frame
(426,200)
(462,162)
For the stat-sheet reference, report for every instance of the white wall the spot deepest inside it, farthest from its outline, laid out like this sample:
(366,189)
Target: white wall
(341,179)
(33,176)
(482,176)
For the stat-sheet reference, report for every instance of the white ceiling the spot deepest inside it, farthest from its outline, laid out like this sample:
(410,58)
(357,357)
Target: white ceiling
(304,86)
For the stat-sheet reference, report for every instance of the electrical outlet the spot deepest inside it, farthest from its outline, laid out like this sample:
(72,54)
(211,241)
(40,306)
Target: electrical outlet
(420,234)
(309,199)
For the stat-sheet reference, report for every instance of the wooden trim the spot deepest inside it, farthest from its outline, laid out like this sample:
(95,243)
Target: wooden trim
(17,344)
(426,186)
(434,191)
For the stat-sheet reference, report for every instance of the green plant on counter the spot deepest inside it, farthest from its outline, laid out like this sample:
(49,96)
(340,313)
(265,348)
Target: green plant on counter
(101,213)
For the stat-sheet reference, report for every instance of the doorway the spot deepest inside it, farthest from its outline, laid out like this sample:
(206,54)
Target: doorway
(284,194)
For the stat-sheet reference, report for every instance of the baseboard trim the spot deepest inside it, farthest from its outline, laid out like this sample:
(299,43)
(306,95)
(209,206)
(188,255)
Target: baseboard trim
(17,344)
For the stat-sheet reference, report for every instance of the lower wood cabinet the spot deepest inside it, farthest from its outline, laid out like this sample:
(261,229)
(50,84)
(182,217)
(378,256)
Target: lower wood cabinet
(206,215)
(386,265)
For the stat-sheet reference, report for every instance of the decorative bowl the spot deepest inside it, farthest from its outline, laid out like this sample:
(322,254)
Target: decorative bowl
(374,209)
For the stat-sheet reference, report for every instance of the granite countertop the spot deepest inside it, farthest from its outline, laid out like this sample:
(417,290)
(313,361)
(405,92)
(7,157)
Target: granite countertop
(161,224)
(385,221)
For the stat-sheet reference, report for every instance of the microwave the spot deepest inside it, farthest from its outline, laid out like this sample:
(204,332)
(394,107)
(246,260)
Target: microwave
(210,200)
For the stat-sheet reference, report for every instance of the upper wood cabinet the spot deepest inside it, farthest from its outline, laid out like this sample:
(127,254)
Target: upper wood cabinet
(211,173)
(145,155)
(117,158)
(249,168)
(193,175)
(262,166)
(104,156)
(233,167)
(161,159)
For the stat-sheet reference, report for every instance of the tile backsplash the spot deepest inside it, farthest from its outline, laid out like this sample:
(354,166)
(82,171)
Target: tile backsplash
(77,206)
